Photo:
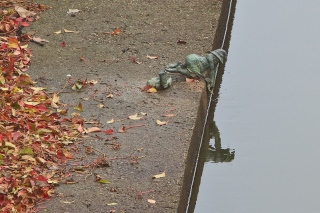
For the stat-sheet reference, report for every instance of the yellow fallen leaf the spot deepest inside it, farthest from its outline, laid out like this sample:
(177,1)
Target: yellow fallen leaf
(161,123)
(169,115)
(152,57)
(143,113)
(37,89)
(163,174)
(152,90)
(70,31)
(58,32)
(151,201)
(110,121)
(79,107)
(101,106)
(134,117)
(67,202)
(110,95)
(112,204)
(55,100)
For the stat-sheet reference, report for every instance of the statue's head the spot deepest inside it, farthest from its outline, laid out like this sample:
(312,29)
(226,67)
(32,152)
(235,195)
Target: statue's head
(220,54)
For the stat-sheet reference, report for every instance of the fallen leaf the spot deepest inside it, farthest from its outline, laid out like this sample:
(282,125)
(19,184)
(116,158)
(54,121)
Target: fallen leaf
(37,89)
(73,11)
(63,44)
(152,57)
(93,129)
(145,88)
(110,95)
(57,32)
(67,155)
(122,129)
(55,100)
(108,131)
(101,106)
(161,123)
(181,42)
(190,80)
(26,151)
(70,31)
(134,117)
(169,115)
(151,201)
(67,202)
(112,204)
(143,113)
(152,90)
(103,181)
(39,40)
(23,12)
(13,43)
(110,121)
(79,107)
(163,174)
(134,60)
(116,32)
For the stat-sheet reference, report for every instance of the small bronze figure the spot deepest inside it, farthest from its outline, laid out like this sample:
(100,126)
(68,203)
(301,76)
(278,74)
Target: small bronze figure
(196,66)
(161,82)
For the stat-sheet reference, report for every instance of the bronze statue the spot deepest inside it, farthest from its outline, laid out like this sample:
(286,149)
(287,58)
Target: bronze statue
(196,66)
(161,82)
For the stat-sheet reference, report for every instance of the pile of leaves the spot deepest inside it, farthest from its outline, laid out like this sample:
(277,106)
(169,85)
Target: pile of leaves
(33,134)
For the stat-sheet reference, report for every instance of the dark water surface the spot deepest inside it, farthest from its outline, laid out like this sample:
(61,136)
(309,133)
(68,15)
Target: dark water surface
(268,112)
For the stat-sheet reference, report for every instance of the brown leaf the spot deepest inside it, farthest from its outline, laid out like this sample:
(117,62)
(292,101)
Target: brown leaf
(23,12)
(39,40)
(181,42)
(122,129)
(93,129)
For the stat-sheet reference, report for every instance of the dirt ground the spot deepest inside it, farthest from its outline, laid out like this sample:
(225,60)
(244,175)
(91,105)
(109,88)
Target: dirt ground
(147,28)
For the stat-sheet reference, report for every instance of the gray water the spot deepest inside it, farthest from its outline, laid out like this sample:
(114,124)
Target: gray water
(268,113)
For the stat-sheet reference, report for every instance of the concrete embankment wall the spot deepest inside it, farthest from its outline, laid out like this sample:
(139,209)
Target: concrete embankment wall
(221,40)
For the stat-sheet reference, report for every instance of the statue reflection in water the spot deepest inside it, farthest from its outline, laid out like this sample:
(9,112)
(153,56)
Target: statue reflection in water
(215,153)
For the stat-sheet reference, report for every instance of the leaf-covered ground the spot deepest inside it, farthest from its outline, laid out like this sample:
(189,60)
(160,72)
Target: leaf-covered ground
(33,133)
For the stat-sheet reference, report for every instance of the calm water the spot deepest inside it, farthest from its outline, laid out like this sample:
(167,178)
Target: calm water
(268,113)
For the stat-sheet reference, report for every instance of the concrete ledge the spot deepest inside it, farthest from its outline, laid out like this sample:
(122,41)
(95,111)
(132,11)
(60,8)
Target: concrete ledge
(222,34)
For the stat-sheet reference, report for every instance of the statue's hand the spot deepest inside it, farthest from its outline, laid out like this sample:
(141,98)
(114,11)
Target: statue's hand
(174,65)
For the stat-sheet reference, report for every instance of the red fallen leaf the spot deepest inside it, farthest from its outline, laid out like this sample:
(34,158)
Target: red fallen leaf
(116,32)
(63,44)
(122,129)
(60,155)
(41,178)
(25,24)
(41,108)
(134,60)
(15,135)
(108,131)
(146,88)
